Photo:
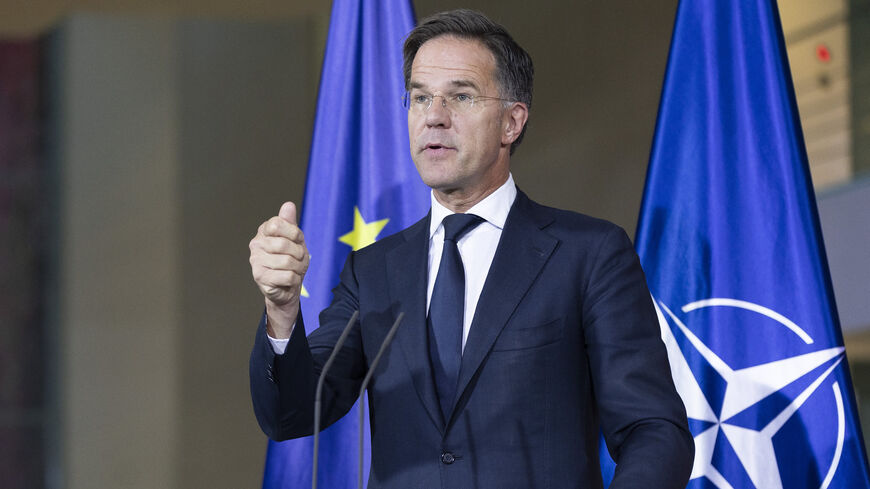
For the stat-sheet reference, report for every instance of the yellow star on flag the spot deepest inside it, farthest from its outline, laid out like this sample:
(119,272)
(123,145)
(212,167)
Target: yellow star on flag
(364,233)
(304,292)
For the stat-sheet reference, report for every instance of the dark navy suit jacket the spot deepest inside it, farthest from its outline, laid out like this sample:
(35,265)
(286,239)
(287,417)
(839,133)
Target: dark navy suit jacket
(564,342)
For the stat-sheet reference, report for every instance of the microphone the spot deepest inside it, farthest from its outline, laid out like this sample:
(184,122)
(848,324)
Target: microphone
(365,383)
(318,396)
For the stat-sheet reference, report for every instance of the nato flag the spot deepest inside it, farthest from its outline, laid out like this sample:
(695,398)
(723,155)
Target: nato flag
(361,185)
(730,241)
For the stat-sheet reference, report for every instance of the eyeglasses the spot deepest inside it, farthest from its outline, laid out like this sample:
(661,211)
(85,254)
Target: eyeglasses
(460,102)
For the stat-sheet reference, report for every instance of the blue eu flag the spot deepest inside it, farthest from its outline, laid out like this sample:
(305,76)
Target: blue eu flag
(730,241)
(361,185)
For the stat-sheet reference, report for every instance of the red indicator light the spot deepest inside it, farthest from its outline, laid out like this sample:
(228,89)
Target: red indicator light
(823,54)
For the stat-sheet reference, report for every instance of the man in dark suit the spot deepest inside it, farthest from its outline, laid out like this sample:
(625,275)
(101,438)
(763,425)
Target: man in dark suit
(527,328)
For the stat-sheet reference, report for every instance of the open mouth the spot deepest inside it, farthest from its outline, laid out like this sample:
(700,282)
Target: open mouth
(436,147)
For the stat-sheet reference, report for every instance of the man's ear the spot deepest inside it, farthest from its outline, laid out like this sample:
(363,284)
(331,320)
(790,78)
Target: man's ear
(515,120)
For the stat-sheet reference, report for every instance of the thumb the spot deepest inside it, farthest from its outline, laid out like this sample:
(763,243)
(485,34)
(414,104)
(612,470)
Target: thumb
(288,212)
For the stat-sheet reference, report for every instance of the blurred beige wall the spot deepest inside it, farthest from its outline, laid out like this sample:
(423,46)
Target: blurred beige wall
(174,138)
(119,277)
(31,17)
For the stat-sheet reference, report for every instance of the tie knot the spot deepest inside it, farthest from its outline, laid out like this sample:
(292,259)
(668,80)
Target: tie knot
(456,225)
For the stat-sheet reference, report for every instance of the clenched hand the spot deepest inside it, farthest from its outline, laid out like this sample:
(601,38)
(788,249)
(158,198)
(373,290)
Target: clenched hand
(279,260)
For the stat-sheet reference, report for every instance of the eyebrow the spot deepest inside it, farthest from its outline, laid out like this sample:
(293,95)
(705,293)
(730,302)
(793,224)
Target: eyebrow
(453,84)
(464,84)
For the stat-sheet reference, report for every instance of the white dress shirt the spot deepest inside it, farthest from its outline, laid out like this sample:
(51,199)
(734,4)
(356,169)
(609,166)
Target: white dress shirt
(477,248)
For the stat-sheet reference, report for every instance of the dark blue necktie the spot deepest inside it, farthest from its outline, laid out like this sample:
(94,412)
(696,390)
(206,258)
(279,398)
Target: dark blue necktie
(447,310)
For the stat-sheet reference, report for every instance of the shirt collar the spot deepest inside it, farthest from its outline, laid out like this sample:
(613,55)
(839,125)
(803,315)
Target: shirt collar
(494,208)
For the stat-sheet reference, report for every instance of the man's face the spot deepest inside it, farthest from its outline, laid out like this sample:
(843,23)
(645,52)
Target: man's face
(458,151)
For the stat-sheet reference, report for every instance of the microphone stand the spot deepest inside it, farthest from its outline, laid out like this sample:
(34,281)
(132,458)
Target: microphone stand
(365,383)
(318,396)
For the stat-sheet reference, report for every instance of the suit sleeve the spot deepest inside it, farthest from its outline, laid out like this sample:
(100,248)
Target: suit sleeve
(283,386)
(642,416)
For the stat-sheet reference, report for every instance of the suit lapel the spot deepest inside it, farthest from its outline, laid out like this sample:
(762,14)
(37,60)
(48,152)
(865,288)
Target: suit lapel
(521,254)
(407,266)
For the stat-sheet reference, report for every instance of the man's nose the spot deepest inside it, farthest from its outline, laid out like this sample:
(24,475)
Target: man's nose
(438,114)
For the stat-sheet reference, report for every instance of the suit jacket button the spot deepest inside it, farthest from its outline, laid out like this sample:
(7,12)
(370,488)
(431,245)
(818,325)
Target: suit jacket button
(447,458)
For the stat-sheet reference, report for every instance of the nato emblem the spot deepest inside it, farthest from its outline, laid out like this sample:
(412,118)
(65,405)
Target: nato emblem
(763,407)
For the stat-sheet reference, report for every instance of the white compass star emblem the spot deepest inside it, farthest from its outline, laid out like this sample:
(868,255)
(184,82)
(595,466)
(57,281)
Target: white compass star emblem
(743,389)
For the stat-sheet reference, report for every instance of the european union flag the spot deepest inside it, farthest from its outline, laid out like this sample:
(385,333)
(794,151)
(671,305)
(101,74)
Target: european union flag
(730,241)
(361,185)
